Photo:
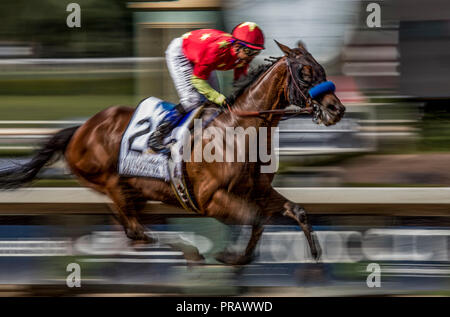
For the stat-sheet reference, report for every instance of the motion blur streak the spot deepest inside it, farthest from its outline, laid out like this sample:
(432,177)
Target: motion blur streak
(393,80)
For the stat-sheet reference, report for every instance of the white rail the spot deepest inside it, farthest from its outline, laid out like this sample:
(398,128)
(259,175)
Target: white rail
(306,195)
(75,61)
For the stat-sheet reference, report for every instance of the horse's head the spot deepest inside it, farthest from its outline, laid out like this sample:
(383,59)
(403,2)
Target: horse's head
(308,86)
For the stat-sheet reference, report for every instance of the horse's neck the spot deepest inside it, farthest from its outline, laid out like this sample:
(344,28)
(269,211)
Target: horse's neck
(267,93)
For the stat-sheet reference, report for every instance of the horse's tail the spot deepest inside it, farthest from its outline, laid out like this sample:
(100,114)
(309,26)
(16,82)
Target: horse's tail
(22,174)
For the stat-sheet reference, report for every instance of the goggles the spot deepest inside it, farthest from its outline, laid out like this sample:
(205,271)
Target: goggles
(249,51)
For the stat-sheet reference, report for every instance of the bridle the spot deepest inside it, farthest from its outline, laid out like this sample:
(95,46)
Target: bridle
(308,109)
(307,100)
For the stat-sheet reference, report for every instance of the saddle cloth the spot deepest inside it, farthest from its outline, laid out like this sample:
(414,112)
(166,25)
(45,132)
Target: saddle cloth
(135,157)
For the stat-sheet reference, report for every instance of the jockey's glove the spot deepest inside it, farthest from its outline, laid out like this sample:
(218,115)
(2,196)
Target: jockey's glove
(226,104)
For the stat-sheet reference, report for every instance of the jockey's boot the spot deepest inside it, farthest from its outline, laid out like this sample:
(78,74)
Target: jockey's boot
(156,140)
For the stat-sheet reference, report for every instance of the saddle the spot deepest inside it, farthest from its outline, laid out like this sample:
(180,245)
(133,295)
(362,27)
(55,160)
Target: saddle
(137,159)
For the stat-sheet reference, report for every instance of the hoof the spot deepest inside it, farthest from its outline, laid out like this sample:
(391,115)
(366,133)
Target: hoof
(199,261)
(139,238)
(231,258)
(317,255)
(317,252)
(194,258)
(190,253)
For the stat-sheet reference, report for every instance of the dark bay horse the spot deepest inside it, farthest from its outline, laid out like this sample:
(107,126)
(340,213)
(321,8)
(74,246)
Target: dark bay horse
(231,192)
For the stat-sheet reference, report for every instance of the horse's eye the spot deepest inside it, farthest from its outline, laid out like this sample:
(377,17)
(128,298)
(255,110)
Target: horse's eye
(305,73)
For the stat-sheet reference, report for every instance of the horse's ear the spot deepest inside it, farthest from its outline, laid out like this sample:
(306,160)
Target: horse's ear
(301,45)
(286,50)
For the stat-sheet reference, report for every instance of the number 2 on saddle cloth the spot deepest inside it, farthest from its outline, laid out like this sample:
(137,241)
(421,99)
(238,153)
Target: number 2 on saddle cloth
(170,119)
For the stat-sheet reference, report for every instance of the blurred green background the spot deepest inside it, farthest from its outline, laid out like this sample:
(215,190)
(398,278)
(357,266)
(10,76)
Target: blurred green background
(40,93)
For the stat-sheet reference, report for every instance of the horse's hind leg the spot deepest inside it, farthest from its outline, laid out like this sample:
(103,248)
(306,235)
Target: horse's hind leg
(247,256)
(126,206)
(297,213)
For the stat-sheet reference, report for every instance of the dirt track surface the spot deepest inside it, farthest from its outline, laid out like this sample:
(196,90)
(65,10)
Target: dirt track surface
(410,169)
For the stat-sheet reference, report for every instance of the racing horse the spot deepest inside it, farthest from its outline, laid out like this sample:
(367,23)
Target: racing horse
(229,191)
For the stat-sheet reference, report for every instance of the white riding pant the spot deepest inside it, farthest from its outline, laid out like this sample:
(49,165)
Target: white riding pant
(181,70)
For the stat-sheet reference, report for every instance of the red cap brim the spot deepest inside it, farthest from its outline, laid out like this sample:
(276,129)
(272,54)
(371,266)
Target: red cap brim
(252,46)
(255,47)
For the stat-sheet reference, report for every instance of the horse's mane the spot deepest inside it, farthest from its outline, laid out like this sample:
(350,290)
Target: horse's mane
(244,82)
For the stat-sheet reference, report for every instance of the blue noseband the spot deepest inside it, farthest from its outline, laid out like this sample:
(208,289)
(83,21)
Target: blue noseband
(326,86)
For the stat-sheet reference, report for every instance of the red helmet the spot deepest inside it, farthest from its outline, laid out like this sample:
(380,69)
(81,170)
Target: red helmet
(250,34)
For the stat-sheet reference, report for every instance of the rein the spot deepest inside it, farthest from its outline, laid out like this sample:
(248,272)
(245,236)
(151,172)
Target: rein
(261,113)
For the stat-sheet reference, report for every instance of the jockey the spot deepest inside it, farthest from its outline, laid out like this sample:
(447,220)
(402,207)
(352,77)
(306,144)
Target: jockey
(192,60)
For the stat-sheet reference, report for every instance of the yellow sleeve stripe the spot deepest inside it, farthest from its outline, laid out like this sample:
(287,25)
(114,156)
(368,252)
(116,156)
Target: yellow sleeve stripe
(206,90)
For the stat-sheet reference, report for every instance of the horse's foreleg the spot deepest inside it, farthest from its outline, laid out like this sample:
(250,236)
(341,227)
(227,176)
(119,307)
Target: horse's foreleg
(230,208)
(294,211)
(245,258)
(276,203)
